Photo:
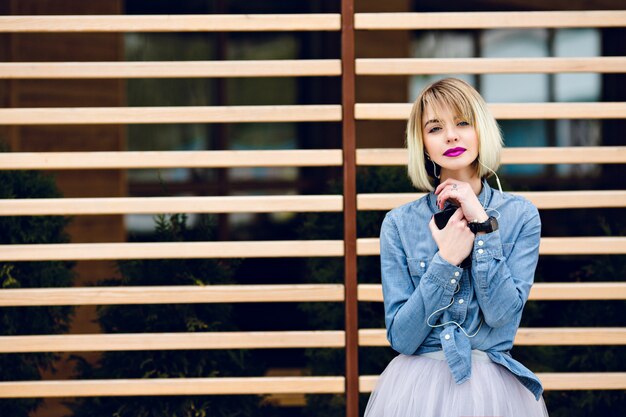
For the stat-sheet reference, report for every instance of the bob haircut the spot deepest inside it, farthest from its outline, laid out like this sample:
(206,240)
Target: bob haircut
(463,101)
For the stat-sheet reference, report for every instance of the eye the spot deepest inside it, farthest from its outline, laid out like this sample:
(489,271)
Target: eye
(434,129)
(463,123)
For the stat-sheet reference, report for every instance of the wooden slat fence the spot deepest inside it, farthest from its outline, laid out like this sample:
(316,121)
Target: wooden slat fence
(348,157)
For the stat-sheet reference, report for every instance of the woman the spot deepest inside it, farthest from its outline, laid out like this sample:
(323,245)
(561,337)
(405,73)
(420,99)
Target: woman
(454,296)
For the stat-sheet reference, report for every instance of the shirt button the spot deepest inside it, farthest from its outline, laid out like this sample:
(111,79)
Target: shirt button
(480,243)
(456,273)
(447,337)
(453,281)
(480,251)
(461,301)
(422,264)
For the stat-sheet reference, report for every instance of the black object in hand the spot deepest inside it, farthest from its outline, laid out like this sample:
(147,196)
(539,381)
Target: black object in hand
(441,219)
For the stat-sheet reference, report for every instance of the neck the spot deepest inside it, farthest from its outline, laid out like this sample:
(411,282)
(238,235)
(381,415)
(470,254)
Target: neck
(473,180)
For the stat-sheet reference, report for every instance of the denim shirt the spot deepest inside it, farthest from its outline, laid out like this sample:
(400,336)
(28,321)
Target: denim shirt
(417,282)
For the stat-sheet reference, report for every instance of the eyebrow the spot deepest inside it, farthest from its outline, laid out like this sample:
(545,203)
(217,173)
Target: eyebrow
(431,121)
(437,120)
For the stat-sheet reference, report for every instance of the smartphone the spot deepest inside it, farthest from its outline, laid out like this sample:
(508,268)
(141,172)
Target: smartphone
(441,219)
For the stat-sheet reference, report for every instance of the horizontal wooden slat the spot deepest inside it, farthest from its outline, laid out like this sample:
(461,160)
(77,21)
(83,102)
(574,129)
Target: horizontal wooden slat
(310,67)
(172,23)
(550,381)
(513,156)
(539,291)
(490,20)
(228,204)
(295,113)
(299,248)
(278,339)
(15,297)
(588,245)
(170,159)
(173,386)
(409,66)
(269,204)
(171,69)
(169,250)
(261,385)
(542,199)
(555,336)
(171,341)
(165,114)
(505,111)
(287,157)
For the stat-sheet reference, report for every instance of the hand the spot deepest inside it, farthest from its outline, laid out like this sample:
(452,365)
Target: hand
(462,195)
(455,241)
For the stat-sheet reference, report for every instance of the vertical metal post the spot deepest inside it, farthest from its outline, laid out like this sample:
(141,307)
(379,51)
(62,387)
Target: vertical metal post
(349,207)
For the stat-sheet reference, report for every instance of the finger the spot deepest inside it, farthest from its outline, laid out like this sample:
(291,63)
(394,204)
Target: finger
(457,215)
(450,182)
(441,200)
(446,195)
(442,185)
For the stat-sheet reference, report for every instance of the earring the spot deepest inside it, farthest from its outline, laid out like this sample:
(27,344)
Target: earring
(435,169)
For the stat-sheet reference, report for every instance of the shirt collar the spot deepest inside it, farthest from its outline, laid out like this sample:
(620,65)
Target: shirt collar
(484,197)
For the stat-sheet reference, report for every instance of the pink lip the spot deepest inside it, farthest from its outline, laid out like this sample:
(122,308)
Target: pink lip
(454,152)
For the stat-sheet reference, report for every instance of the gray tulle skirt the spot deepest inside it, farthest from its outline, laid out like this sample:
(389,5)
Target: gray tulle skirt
(423,386)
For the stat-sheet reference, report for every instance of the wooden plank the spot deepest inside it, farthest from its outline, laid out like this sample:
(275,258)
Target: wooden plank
(411,66)
(513,156)
(15,297)
(173,386)
(171,250)
(172,23)
(588,245)
(504,111)
(166,114)
(544,200)
(271,204)
(120,205)
(170,159)
(171,341)
(489,20)
(262,385)
(539,291)
(294,113)
(574,336)
(171,69)
(554,336)
(552,381)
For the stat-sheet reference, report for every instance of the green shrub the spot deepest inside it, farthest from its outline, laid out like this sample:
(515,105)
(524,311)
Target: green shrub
(170,318)
(16,230)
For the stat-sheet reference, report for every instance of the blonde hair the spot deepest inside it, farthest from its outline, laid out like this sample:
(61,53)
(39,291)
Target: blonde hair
(463,101)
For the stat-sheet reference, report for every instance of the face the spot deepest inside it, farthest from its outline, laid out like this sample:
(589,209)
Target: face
(442,135)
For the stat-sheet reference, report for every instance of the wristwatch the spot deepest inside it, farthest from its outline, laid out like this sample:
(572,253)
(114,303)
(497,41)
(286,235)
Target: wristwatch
(488,226)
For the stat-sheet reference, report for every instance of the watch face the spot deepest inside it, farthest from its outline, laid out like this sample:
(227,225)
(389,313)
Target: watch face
(493,222)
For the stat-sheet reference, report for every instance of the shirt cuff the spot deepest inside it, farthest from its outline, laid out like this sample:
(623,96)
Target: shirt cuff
(487,246)
(444,273)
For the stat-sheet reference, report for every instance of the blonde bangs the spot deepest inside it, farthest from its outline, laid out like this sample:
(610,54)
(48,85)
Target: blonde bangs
(444,100)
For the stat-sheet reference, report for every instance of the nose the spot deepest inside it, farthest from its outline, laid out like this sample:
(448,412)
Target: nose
(451,135)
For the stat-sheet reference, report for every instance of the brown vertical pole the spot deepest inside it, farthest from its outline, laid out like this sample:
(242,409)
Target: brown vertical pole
(349,207)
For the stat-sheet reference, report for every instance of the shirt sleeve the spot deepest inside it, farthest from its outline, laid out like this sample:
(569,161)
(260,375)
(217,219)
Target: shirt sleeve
(502,284)
(407,307)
